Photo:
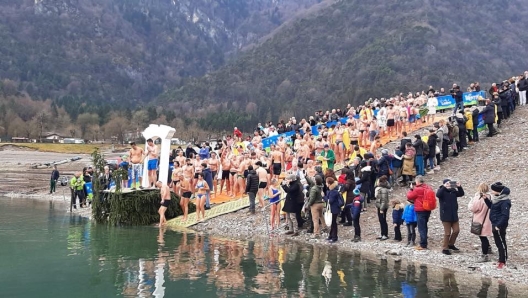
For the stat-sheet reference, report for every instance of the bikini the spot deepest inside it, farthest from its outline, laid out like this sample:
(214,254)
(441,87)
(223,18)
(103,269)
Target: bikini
(199,185)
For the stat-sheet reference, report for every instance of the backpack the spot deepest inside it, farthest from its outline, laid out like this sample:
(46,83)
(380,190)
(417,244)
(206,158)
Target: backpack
(340,200)
(425,148)
(429,200)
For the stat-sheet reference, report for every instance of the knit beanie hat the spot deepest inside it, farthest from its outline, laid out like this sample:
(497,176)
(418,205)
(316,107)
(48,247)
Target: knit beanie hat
(356,192)
(497,187)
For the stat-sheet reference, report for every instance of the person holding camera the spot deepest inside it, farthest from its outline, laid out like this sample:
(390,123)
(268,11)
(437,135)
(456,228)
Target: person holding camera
(448,195)
(293,202)
(459,99)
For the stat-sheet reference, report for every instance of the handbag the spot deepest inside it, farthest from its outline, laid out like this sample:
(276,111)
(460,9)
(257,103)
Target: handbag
(476,227)
(328,215)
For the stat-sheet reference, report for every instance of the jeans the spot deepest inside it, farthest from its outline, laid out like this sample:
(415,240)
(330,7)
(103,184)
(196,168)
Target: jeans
(346,214)
(419,165)
(459,105)
(431,162)
(357,228)
(423,218)
(382,217)
(485,244)
(397,232)
(251,196)
(289,221)
(500,240)
(317,213)
(451,230)
(475,132)
(333,228)
(411,231)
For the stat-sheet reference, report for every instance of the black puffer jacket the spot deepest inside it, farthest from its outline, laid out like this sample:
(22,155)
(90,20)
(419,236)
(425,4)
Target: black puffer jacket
(500,209)
(294,197)
(448,199)
(431,143)
(489,114)
(252,182)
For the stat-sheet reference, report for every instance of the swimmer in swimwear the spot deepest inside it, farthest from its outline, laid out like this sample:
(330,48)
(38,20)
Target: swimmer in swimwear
(274,195)
(165,201)
(201,190)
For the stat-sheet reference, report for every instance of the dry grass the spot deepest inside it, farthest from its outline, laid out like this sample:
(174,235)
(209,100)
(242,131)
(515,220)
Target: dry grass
(61,148)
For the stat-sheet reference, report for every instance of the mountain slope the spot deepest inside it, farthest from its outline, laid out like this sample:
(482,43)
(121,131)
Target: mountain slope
(126,51)
(355,49)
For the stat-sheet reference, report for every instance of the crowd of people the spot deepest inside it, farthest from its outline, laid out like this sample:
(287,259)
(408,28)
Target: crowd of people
(302,167)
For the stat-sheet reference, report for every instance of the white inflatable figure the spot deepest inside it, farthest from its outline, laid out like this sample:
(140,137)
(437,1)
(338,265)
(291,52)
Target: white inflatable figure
(327,272)
(165,133)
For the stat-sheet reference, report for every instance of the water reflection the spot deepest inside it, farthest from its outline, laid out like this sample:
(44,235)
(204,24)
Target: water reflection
(195,264)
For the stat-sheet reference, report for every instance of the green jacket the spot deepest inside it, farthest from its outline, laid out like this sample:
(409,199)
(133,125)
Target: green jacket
(315,195)
(77,183)
(331,158)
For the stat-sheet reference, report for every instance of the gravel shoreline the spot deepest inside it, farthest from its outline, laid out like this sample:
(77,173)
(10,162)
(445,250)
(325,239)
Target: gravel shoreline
(487,161)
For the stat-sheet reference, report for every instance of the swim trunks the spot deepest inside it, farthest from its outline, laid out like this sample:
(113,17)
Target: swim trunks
(263,184)
(277,169)
(225,175)
(152,164)
(186,194)
(165,203)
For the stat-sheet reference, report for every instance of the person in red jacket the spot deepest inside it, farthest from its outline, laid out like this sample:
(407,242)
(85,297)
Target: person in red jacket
(237,133)
(416,195)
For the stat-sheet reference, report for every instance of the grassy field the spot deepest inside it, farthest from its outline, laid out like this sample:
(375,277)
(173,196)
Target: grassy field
(62,148)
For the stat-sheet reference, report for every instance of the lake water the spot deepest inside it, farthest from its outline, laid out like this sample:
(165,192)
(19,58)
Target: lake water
(46,252)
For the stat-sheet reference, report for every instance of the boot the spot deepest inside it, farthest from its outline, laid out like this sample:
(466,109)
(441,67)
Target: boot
(409,243)
(483,259)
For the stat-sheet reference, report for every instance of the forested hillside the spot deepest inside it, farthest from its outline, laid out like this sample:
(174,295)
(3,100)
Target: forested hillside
(104,57)
(358,49)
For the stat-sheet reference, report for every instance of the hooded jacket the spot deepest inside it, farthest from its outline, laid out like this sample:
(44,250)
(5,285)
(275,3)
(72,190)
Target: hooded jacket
(409,216)
(365,179)
(382,193)
(489,113)
(448,198)
(332,198)
(431,142)
(500,209)
(315,196)
(208,177)
(349,187)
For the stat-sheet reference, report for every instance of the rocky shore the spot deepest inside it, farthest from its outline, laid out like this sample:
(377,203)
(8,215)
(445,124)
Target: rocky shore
(490,160)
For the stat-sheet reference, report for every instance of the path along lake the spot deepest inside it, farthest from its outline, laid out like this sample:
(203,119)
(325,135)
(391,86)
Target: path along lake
(47,252)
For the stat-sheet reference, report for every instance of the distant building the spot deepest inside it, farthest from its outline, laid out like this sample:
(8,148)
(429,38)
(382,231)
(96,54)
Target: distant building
(53,136)
(72,141)
(20,140)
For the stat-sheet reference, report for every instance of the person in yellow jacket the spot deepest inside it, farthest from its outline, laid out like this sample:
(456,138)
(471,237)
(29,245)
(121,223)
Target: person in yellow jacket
(77,190)
(469,124)
(358,152)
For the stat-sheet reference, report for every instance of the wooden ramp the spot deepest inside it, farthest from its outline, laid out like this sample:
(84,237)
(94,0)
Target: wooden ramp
(228,207)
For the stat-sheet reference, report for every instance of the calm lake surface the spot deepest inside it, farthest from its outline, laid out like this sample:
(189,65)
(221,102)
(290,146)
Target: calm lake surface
(46,252)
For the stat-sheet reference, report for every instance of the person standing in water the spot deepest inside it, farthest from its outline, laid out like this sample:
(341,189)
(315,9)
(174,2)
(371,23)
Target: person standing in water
(153,153)
(165,201)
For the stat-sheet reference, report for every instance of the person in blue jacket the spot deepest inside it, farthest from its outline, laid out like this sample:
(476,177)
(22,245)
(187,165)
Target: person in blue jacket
(332,198)
(409,217)
(397,213)
(357,203)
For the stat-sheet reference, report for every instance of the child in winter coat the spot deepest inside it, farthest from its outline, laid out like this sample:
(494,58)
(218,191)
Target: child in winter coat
(397,213)
(409,217)
(356,213)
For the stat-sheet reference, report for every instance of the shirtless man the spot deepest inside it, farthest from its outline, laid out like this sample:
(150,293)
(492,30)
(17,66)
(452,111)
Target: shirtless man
(263,182)
(213,164)
(180,158)
(304,152)
(153,153)
(165,201)
(226,167)
(339,145)
(319,145)
(281,144)
(277,161)
(242,172)
(257,139)
(188,172)
(288,156)
(136,156)
(391,116)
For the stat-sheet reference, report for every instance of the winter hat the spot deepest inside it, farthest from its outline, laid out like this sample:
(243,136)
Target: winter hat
(446,180)
(384,152)
(497,187)
(356,192)
(292,177)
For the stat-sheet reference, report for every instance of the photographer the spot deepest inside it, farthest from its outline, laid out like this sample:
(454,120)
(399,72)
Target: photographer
(448,195)
(293,203)
(459,99)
